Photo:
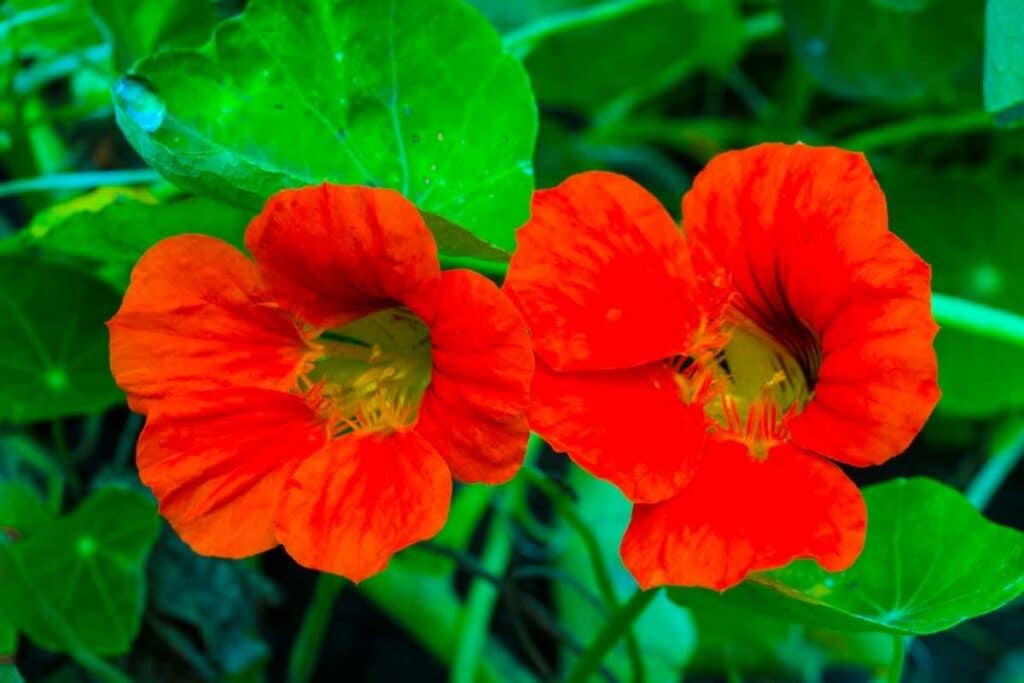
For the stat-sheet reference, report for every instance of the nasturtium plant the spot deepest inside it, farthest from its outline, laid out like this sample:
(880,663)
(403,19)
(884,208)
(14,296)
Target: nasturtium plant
(77,583)
(53,349)
(138,28)
(418,97)
(930,562)
(1004,60)
(891,51)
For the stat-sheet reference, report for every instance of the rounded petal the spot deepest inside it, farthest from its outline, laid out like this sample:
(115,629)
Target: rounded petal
(741,515)
(804,233)
(219,463)
(334,253)
(602,276)
(196,316)
(360,500)
(474,410)
(628,427)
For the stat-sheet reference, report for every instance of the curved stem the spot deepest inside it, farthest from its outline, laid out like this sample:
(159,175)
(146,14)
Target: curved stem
(903,132)
(617,625)
(523,40)
(471,633)
(1003,457)
(967,316)
(899,648)
(306,649)
(79,181)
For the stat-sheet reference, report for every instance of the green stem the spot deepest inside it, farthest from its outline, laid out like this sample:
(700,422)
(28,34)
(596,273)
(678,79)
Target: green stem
(78,181)
(899,648)
(60,446)
(979,319)
(1006,453)
(903,132)
(617,625)
(602,574)
(474,624)
(522,41)
(763,25)
(306,649)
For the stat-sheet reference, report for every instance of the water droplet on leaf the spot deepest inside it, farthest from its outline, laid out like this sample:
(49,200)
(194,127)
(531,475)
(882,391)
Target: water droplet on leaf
(142,105)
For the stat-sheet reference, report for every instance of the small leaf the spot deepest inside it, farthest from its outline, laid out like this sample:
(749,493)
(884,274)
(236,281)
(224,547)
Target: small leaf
(112,227)
(913,50)
(77,583)
(1004,60)
(930,562)
(138,27)
(416,96)
(21,511)
(53,344)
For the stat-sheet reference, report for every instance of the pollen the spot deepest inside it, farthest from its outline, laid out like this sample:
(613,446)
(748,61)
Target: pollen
(749,383)
(370,375)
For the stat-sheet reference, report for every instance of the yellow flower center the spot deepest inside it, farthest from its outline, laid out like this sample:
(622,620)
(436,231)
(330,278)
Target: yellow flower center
(749,382)
(371,374)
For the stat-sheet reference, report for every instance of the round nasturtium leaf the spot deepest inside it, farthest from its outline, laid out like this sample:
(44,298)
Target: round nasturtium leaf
(53,342)
(78,582)
(930,561)
(415,96)
(888,50)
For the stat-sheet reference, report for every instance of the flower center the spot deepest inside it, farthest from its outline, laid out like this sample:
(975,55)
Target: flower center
(371,374)
(749,382)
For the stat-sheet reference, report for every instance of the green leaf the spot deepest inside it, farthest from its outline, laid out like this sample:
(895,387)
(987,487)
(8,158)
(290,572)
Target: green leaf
(665,634)
(967,226)
(110,228)
(53,343)
(137,28)
(40,28)
(414,96)
(913,50)
(9,674)
(930,562)
(78,583)
(598,66)
(1004,60)
(21,511)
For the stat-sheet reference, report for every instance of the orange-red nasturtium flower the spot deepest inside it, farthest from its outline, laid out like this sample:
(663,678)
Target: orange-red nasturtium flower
(322,396)
(714,373)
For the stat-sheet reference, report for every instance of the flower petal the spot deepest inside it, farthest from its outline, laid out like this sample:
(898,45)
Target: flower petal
(360,500)
(196,316)
(804,234)
(219,462)
(741,515)
(474,410)
(602,276)
(334,253)
(629,427)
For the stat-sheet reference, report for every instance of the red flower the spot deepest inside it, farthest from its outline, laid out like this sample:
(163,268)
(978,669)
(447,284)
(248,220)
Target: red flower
(709,373)
(324,395)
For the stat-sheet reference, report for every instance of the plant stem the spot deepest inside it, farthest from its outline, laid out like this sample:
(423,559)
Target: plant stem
(1005,453)
(902,132)
(474,624)
(522,41)
(602,574)
(617,625)
(898,656)
(979,319)
(78,181)
(306,649)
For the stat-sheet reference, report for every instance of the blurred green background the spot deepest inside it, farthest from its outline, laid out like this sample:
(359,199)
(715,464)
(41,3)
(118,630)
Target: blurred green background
(97,165)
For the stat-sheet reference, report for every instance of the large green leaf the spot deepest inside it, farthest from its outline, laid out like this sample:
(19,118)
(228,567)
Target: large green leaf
(1004,60)
(138,27)
(53,343)
(417,96)
(598,65)
(111,228)
(889,50)
(967,226)
(930,562)
(665,634)
(77,583)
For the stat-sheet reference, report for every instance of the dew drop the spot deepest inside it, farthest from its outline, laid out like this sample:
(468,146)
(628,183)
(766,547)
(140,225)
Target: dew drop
(426,180)
(433,167)
(440,136)
(140,103)
(339,56)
